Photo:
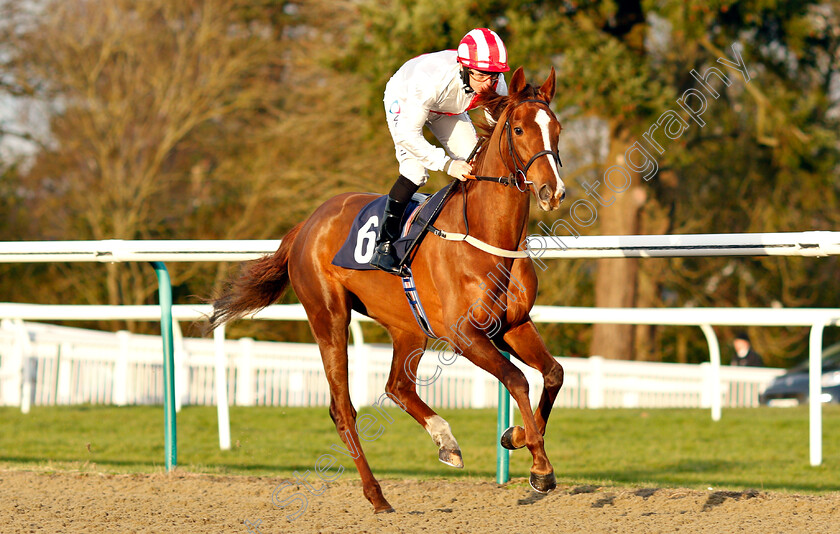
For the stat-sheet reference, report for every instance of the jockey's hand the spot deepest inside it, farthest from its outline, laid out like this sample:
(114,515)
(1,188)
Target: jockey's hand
(457,168)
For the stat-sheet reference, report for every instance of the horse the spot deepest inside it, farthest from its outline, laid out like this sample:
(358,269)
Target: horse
(481,298)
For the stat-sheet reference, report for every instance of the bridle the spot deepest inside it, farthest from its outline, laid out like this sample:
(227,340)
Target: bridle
(519,175)
(519,171)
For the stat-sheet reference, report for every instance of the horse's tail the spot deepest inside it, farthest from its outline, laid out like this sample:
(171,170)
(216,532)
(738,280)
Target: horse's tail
(260,284)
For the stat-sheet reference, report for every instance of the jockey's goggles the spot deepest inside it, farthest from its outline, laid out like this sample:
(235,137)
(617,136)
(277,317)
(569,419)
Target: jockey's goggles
(482,75)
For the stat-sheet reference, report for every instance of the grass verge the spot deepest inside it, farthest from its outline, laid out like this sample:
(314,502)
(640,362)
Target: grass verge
(760,448)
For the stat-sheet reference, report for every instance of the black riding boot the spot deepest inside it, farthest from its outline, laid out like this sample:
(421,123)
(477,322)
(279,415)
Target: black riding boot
(385,256)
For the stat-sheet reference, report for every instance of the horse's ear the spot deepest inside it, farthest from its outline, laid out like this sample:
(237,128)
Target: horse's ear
(547,89)
(517,81)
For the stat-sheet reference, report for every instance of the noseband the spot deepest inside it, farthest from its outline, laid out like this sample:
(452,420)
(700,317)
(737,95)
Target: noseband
(519,176)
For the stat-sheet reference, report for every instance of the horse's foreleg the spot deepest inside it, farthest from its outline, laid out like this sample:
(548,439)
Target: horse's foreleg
(402,385)
(485,355)
(526,344)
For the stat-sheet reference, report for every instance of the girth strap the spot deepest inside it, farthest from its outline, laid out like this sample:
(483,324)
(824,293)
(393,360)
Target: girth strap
(415,304)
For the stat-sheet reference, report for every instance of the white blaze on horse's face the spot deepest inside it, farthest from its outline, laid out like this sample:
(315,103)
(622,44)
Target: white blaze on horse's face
(543,120)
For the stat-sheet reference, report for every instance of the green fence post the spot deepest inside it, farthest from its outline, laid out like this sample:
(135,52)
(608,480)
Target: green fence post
(502,423)
(170,434)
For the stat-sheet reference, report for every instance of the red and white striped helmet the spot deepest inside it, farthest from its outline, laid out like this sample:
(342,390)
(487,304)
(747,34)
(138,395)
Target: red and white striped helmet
(483,49)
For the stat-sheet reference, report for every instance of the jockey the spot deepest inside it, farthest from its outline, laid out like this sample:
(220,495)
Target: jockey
(435,90)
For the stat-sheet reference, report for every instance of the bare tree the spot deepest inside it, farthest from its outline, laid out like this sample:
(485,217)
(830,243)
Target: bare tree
(134,88)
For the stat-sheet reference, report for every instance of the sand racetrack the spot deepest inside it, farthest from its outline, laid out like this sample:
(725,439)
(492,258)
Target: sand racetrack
(66,502)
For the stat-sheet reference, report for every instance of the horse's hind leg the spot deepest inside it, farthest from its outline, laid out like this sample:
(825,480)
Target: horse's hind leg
(402,387)
(329,321)
(525,343)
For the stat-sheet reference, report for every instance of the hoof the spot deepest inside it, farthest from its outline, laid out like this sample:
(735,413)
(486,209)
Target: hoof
(388,510)
(451,457)
(507,439)
(543,483)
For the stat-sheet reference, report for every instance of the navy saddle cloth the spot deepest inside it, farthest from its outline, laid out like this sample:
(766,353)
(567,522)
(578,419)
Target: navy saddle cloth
(358,248)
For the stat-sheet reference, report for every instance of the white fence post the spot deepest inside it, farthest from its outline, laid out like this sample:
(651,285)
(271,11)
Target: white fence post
(245,373)
(222,411)
(120,379)
(27,366)
(479,388)
(64,368)
(5,367)
(714,358)
(182,393)
(707,385)
(596,382)
(13,366)
(814,393)
(360,366)
(27,390)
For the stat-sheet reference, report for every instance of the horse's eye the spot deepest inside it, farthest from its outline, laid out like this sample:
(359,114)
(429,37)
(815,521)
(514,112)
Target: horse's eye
(518,131)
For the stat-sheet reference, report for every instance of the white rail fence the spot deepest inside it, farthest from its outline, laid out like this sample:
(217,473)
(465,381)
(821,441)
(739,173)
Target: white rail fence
(70,366)
(803,244)
(281,370)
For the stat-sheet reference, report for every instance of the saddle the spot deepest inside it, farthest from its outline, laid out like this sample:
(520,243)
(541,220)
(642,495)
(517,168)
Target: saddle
(360,243)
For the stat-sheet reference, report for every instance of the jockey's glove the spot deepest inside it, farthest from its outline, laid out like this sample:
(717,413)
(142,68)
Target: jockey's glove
(457,168)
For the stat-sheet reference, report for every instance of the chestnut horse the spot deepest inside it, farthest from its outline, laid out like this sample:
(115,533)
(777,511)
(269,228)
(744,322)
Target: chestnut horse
(483,300)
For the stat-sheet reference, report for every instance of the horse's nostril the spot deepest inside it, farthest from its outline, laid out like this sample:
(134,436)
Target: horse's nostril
(545,193)
(562,194)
